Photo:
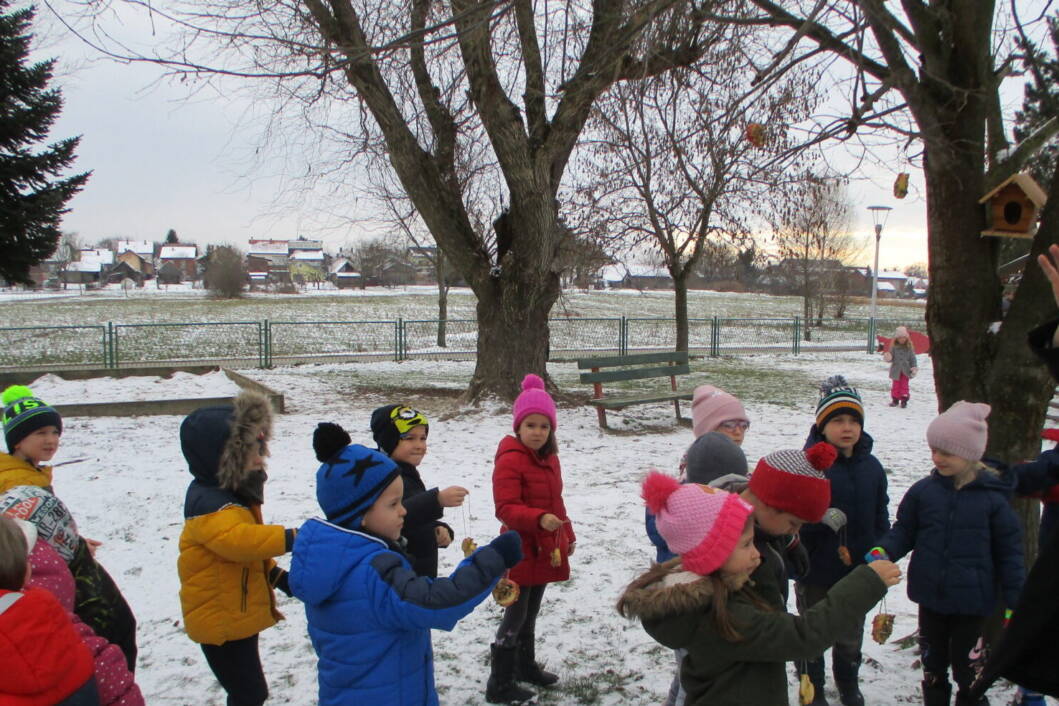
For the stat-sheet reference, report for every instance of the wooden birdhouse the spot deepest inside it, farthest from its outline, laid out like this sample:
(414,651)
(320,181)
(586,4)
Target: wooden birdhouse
(1012,207)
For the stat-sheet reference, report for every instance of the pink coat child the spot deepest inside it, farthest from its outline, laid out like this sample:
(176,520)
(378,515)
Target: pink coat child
(49,572)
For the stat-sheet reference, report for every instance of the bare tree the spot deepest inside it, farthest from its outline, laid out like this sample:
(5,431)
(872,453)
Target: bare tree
(416,78)
(810,229)
(67,252)
(672,164)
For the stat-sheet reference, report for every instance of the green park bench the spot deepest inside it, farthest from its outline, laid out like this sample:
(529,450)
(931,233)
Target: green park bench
(637,366)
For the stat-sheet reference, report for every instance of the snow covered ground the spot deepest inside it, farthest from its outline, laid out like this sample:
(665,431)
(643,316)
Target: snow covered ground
(134,388)
(129,494)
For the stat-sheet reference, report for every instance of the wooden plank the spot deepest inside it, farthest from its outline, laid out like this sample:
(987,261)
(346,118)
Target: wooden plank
(619,402)
(633,359)
(635,374)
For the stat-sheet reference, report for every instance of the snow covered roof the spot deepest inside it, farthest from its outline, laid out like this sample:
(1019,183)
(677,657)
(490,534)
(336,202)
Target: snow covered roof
(616,273)
(892,275)
(305,245)
(268,247)
(310,255)
(886,287)
(100,257)
(338,263)
(179,252)
(83,266)
(143,248)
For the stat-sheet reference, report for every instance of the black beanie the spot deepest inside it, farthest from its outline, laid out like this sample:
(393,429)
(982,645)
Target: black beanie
(389,424)
(328,440)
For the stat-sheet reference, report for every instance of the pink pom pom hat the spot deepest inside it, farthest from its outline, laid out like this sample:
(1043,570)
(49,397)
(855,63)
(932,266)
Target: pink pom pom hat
(533,400)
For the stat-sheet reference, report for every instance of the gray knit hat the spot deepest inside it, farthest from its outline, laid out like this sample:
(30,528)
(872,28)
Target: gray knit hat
(712,456)
(961,430)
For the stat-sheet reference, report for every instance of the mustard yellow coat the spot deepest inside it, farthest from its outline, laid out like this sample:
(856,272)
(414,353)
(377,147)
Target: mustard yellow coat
(15,472)
(225,557)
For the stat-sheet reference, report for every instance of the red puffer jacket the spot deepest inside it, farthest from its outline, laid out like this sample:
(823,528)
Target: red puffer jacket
(525,487)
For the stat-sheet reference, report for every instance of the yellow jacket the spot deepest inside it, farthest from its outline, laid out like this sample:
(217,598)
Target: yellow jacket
(225,557)
(15,472)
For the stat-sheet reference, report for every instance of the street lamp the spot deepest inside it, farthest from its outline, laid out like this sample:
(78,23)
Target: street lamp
(878,217)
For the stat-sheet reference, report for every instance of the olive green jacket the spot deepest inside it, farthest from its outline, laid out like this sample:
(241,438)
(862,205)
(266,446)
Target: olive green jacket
(675,608)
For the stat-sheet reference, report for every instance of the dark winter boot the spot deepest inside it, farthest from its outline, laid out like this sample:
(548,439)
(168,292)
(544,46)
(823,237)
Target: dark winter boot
(936,691)
(815,669)
(501,687)
(894,402)
(527,669)
(963,700)
(846,670)
(904,402)
(849,693)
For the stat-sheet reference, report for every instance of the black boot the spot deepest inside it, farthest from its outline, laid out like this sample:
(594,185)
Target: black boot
(936,692)
(526,667)
(963,700)
(904,402)
(815,669)
(501,687)
(894,401)
(849,693)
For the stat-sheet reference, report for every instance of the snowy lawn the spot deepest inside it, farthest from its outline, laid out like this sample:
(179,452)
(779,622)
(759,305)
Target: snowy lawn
(129,494)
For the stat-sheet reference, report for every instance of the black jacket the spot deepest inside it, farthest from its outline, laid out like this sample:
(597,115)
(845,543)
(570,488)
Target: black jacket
(424,514)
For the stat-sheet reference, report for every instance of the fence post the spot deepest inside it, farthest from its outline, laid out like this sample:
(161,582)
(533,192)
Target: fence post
(623,336)
(797,335)
(108,344)
(715,337)
(398,339)
(871,335)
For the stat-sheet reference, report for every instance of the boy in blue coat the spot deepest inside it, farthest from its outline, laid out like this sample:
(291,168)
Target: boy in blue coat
(369,614)
(859,491)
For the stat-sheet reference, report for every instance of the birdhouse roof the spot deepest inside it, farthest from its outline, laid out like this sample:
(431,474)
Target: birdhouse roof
(1024,181)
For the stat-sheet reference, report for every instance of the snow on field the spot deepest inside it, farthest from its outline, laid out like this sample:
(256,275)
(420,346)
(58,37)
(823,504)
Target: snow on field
(133,388)
(129,494)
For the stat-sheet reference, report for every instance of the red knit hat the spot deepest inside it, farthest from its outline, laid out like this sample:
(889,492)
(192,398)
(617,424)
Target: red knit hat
(793,481)
(700,523)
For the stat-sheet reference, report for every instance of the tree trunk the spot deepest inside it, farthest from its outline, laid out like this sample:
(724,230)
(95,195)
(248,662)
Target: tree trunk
(512,332)
(680,302)
(443,296)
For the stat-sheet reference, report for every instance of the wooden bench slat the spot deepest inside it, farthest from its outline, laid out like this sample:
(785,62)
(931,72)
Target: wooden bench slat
(633,359)
(636,374)
(620,402)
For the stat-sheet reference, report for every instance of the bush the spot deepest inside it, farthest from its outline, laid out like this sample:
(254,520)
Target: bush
(225,273)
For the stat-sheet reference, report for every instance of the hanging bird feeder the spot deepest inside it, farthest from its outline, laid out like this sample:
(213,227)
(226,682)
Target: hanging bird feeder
(901,185)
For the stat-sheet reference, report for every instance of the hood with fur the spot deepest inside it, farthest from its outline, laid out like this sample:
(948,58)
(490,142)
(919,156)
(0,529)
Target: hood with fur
(668,589)
(217,441)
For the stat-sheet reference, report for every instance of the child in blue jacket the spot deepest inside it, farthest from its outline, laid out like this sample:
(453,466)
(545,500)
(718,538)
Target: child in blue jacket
(965,542)
(369,614)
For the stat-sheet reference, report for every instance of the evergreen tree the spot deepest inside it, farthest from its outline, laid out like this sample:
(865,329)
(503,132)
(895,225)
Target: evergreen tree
(171,238)
(1041,100)
(32,196)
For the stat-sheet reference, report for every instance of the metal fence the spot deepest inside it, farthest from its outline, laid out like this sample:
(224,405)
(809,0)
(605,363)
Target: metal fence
(267,343)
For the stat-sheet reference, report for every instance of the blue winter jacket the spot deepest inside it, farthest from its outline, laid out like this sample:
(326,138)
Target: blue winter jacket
(370,615)
(963,543)
(858,488)
(1038,476)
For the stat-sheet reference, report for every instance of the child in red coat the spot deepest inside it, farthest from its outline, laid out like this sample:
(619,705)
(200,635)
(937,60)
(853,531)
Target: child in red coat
(528,493)
(44,660)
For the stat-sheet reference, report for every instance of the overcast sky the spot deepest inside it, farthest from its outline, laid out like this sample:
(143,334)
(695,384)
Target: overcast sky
(161,161)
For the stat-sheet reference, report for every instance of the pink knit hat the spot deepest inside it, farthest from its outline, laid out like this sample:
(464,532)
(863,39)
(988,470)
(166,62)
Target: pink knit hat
(960,430)
(533,400)
(710,406)
(900,332)
(700,523)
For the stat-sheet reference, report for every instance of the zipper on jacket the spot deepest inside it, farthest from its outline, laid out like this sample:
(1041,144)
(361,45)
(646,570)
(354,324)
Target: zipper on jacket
(948,537)
(246,582)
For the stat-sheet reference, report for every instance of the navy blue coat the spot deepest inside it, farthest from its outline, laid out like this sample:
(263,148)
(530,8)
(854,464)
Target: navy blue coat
(370,615)
(858,488)
(1038,477)
(963,542)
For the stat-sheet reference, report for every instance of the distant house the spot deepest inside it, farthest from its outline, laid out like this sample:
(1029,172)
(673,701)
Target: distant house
(896,284)
(276,251)
(637,277)
(170,273)
(135,261)
(143,248)
(122,271)
(396,273)
(344,275)
(184,258)
(305,250)
(300,259)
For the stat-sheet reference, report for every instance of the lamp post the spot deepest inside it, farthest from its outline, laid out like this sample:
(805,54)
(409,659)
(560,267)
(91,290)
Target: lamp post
(878,217)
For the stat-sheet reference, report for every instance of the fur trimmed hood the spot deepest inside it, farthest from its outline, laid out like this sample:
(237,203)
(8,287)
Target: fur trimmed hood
(217,441)
(668,589)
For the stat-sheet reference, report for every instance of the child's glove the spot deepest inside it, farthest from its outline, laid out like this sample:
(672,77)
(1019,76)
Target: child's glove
(1007,616)
(876,554)
(834,518)
(278,578)
(509,547)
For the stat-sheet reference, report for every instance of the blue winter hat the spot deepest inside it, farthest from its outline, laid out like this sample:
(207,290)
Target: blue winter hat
(350,483)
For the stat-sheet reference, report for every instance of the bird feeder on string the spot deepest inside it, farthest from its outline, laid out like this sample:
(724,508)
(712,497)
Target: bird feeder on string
(901,185)
(1012,207)
(755,133)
